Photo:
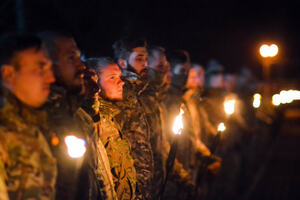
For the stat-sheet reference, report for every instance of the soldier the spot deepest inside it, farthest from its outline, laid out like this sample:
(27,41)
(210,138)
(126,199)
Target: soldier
(208,129)
(159,78)
(132,58)
(201,127)
(191,148)
(109,131)
(66,107)
(214,93)
(28,168)
(231,146)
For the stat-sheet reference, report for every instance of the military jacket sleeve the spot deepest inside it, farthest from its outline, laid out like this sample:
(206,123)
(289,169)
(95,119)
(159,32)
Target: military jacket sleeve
(118,151)
(98,160)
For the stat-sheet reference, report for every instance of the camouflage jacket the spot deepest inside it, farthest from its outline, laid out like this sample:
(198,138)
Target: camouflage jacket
(192,106)
(27,167)
(149,97)
(194,129)
(118,151)
(208,130)
(77,179)
(136,129)
(213,103)
(189,145)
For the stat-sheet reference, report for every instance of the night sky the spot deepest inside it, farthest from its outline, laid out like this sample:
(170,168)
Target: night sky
(229,31)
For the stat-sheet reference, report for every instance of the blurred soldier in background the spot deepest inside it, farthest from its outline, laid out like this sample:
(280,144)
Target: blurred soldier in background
(208,130)
(223,105)
(190,147)
(109,130)
(131,56)
(214,93)
(204,159)
(27,167)
(76,176)
(159,79)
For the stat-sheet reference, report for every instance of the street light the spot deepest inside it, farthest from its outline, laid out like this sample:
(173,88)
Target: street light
(268,52)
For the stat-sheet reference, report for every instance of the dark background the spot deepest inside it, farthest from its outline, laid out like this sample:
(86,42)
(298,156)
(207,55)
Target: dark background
(229,31)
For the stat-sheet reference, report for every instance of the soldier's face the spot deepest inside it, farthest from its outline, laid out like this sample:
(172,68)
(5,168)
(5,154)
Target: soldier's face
(193,79)
(111,83)
(138,61)
(158,62)
(217,81)
(30,82)
(68,67)
(182,69)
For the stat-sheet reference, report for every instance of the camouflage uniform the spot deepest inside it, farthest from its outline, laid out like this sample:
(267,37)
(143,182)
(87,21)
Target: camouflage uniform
(27,167)
(118,151)
(68,118)
(157,114)
(136,129)
(213,103)
(231,146)
(191,150)
(149,96)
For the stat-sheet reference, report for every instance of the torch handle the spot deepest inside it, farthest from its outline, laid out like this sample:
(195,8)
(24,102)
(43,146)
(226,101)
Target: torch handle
(216,142)
(172,155)
(204,164)
(169,165)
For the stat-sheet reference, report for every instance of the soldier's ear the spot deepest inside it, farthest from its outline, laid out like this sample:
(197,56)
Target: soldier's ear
(122,63)
(8,74)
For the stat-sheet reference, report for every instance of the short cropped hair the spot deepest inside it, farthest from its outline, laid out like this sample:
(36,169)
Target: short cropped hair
(14,43)
(49,41)
(178,57)
(99,63)
(154,49)
(122,48)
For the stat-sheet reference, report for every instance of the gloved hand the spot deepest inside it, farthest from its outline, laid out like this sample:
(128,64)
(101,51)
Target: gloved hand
(212,163)
(214,167)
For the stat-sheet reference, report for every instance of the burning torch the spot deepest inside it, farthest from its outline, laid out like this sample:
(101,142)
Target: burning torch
(76,146)
(229,106)
(177,130)
(207,160)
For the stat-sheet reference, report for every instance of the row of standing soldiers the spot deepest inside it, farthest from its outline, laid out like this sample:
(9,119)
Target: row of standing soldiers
(124,109)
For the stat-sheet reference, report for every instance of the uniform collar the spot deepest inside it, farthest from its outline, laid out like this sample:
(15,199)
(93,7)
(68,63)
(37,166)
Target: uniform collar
(137,83)
(108,107)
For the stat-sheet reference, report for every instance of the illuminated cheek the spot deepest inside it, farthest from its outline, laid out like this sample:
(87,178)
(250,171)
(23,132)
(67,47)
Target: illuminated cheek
(104,88)
(136,65)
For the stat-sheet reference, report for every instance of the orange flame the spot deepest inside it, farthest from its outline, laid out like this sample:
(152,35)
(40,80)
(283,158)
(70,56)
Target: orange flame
(178,123)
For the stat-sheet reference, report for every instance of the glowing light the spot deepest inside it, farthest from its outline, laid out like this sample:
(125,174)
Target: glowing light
(285,96)
(221,127)
(54,140)
(264,50)
(256,100)
(178,123)
(268,51)
(273,50)
(276,100)
(229,106)
(76,146)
